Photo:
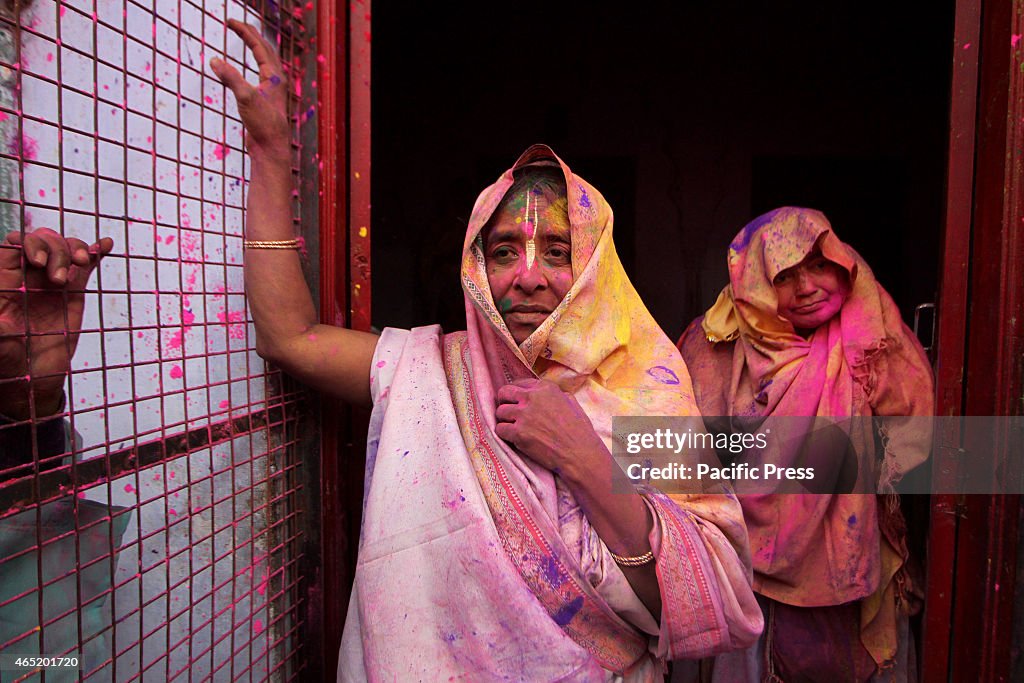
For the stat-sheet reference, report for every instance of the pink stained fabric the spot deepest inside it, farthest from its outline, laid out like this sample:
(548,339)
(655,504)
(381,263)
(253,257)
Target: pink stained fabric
(476,563)
(817,550)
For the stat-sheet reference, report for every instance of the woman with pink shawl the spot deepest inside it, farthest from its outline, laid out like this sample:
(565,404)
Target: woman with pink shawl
(493,546)
(804,330)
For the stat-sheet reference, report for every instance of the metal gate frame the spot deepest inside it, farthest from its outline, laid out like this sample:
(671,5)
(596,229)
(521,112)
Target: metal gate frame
(343,239)
(969,608)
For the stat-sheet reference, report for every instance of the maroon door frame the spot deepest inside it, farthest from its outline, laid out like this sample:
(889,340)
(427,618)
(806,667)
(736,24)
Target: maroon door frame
(343,92)
(968,625)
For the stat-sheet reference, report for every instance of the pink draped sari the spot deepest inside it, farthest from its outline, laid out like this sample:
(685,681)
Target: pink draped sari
(477,564)
(821,550)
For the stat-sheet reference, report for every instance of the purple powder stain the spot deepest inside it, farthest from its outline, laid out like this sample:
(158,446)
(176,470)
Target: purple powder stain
(566,613)
(450,637)
(852,520)
(663,375)
(552,572)
(452,504)
(275,79)
(743,239)
(584,199)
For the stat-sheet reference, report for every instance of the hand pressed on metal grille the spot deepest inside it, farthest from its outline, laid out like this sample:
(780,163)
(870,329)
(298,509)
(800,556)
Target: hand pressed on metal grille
(332,359)
(263,107)
(42,294)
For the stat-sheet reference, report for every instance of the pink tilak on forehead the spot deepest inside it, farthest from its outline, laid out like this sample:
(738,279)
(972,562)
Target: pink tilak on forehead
(531,229)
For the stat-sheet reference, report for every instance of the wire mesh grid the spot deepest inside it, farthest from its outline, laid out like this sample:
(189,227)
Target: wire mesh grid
(153,529)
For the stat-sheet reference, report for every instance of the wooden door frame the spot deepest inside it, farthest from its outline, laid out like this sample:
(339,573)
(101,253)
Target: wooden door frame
(342,46)
(969,620)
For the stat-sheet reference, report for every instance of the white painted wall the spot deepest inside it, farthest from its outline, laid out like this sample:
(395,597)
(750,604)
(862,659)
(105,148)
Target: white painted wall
(194,566)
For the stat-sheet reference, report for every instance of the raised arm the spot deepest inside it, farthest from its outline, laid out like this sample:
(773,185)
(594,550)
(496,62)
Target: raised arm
(332,359)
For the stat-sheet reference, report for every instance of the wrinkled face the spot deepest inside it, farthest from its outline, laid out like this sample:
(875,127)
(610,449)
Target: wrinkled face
(527,245)
(811,292)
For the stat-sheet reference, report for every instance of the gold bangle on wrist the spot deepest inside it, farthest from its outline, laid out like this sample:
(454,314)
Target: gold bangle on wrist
(637,561)
(271,244)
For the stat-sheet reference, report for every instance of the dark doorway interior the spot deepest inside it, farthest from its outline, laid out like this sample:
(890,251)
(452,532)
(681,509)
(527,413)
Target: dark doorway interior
(691,118)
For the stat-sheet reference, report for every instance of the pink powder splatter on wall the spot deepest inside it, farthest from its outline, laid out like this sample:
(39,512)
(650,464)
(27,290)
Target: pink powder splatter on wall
(257,626)
(189,244)
(176,340)
(1014,39)
(236,328)
(26,147)
(220,151)
(128,488)
(224,404)
(176,372)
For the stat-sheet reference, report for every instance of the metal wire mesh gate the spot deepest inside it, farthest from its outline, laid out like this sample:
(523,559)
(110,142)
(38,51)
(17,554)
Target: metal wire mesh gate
(163,541)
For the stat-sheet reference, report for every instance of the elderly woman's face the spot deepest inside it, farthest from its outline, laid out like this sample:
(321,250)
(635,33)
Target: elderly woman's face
(811,292)
(527,245)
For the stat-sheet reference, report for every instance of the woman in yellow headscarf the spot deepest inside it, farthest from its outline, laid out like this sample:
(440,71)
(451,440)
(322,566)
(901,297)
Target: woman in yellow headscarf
(493,546)
(804,330)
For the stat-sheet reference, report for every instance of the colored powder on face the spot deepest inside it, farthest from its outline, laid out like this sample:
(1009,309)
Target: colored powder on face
(504,305)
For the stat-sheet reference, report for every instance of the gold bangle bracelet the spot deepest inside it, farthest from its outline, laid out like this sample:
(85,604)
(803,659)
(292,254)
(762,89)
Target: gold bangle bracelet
(638,561)
(271,244)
